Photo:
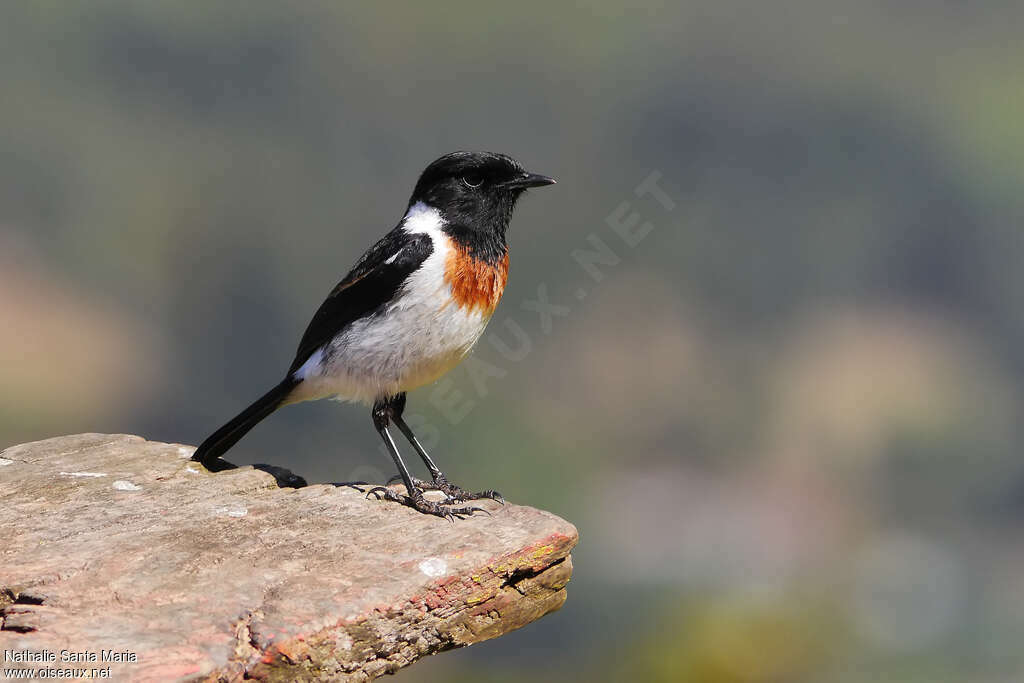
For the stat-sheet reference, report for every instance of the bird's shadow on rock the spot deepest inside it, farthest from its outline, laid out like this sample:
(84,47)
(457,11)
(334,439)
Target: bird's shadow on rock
(352,485)
(286,479)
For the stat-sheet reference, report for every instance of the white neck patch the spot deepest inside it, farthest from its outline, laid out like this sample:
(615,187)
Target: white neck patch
(421,218)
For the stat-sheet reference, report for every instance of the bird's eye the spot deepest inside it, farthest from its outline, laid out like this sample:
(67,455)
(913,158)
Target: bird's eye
(473,180)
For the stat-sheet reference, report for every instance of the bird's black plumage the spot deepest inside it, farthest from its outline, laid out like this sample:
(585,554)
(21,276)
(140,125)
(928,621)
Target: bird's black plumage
(227,436)
(478,191)
(370,285)
(366,290)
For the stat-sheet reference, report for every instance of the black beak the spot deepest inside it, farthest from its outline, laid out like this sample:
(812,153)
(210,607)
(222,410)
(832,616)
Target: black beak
(529,180)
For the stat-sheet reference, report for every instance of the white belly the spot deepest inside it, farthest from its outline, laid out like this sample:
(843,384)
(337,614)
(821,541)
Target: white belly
(421,336)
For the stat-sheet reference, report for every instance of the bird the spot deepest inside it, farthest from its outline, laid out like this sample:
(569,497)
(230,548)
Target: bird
(410,309)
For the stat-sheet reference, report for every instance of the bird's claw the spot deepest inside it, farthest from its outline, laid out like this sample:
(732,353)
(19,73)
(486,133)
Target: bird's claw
(418,502)
(386,493)
(452,492)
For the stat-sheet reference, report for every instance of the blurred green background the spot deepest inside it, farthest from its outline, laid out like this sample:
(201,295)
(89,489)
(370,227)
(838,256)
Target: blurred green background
(786,422)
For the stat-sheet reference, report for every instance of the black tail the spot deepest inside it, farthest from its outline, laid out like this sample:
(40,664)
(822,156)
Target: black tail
(227,436)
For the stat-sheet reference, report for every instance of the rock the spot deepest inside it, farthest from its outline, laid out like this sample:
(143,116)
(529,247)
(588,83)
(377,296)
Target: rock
(118,547)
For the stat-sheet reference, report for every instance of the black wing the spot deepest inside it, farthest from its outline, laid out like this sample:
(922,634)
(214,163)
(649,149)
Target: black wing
(371,284)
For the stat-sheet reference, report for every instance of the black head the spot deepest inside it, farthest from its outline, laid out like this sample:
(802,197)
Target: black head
(475,191)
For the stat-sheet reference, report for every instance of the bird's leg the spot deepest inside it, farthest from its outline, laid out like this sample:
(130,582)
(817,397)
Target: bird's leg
(382,413)
(455,494)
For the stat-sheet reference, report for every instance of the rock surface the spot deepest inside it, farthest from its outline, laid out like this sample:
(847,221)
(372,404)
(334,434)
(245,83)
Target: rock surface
(115,544)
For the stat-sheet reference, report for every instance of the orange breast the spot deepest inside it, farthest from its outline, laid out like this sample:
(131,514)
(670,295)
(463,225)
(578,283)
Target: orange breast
(475,283)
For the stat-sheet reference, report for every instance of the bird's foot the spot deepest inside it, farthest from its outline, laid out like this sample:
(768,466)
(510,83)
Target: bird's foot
(418,502)
(454,494)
